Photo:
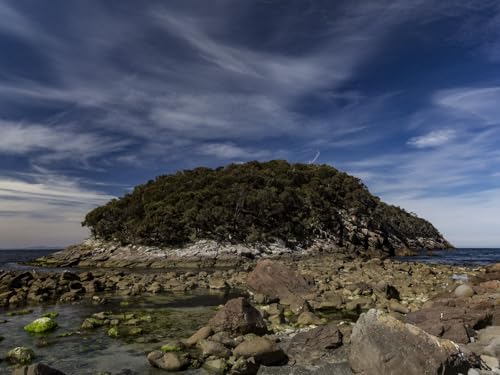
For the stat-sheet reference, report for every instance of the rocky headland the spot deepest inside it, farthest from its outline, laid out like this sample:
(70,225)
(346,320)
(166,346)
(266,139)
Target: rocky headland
(306,251)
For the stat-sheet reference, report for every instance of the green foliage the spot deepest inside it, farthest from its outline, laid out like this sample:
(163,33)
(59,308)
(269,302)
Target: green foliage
(248,203)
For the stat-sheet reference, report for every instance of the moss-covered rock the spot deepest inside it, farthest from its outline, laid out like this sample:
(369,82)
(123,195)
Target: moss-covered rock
(41,325)
(113,332)
(20,356)
(51,315)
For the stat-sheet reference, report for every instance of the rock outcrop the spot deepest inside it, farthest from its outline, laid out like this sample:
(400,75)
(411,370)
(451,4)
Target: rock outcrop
(382,345)
(210,217)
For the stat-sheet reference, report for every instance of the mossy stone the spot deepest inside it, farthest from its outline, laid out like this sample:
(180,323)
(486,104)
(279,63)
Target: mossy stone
(40,325)
(113,332)
(20,355)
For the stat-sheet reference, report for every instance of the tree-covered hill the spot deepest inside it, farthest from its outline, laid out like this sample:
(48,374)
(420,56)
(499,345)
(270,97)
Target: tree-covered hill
(259,203)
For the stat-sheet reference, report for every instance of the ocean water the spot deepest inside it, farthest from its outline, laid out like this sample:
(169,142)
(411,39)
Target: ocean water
(10,259)
(460,256)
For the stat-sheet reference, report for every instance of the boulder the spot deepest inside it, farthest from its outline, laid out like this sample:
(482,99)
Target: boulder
(37,369)
(20,356)
(321,343)
(263,350)
(201,334)
(238,316)
(40,325)
(463,291)
(169,361)
(383,345)
(277,281)
(211,348)
(308,318)
(454,318)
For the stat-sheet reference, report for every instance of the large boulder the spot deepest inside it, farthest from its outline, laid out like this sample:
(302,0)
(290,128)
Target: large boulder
(383,345)
(321,343)
(453,318)
(277,281)
(37,369)
(238,316)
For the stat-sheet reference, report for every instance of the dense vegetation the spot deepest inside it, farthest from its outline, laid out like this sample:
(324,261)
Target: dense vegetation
(252,202)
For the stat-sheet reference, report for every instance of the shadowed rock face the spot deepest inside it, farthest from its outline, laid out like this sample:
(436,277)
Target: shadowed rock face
(315,346)
(382,345)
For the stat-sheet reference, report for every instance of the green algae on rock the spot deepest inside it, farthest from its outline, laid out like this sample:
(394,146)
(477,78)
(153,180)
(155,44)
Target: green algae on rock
(41,325)
(20,355)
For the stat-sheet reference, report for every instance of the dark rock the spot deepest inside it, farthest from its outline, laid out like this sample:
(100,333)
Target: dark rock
(238,316)
(320,342)
(37,369)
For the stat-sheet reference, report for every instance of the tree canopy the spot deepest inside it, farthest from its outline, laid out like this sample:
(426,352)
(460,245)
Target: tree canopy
(249,203)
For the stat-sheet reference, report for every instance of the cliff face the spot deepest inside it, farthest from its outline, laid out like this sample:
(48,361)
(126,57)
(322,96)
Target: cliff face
(257,204)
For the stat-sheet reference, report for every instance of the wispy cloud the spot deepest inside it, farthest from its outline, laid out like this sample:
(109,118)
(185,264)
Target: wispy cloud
(432,139)
(43,206)
(481,103)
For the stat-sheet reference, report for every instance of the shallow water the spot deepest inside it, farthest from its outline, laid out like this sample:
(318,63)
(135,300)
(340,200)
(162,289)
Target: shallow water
(174,316)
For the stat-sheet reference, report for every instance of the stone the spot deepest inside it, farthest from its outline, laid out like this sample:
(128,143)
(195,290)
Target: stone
(308,318)
(170,361)
(40,325)
(397,307)
(321,343)
(491,362)
(37,369)
(383,345)
(453,318)
(211,348)
(463,291)
(215,366)
(172,346)
(238,316)
(20,356)
(201,334)
(277,281)
(263,350)
(217,283)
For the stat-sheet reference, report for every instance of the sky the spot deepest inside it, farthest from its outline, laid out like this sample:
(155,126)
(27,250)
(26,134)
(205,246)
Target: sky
(99,96)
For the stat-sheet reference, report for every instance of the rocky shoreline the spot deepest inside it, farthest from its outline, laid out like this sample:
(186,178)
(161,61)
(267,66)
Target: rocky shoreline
(203,254)
(292,303)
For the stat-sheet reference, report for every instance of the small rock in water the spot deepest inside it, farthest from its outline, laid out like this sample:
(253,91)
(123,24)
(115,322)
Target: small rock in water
(41,325)
(20,356)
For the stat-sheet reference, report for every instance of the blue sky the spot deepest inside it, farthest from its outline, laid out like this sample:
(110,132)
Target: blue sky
(98,96)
